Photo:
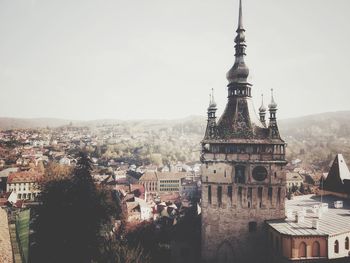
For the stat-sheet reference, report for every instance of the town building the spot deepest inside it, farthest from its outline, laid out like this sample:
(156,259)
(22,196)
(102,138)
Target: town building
(243,176)
(316,229)
(293,180)
(337,181)
(149,180)
(24,184)
(170,181)
(4,174)
(158,182)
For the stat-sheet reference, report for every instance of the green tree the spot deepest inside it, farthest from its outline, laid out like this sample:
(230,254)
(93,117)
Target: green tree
(70,217)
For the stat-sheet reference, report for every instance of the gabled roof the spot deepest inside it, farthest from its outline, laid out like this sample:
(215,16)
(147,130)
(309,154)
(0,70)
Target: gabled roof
(339,168)
(149,176)
(294,177)
(337,174)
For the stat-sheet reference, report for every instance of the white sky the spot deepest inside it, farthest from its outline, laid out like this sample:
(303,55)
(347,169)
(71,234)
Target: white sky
(136,59)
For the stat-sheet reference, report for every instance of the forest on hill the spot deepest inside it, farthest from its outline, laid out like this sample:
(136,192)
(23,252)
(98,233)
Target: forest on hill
(314,139)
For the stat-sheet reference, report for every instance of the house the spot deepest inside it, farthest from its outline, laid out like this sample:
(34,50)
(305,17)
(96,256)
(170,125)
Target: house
(314,231)
(149,180)
(24,184)
(170,181)
(137,208)
(293,179)
(4,175)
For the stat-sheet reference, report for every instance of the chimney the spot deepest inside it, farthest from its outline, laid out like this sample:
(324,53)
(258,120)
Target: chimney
(315,224)
(299,217)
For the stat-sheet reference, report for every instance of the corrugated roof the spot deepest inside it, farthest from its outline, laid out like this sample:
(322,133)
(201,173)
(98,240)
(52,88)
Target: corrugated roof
(332,222)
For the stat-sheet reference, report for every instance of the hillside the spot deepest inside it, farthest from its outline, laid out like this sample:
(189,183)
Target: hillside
(315,139)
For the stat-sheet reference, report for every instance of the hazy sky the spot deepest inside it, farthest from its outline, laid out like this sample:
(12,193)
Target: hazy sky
(130,59)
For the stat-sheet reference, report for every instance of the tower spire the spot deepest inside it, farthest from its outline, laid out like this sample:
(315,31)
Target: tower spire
(262,111)
(239,72)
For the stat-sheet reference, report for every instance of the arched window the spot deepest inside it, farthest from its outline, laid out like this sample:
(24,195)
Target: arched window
(302,250)
(347,243)
(336,247)
(316,249)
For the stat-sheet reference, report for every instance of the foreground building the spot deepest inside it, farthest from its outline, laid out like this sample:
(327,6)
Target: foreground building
(337,181)
(243,180)
(24,184)
(317,229)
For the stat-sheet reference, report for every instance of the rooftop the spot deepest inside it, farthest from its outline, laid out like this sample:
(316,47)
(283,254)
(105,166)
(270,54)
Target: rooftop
(24,177)
(332,222)
(294,177)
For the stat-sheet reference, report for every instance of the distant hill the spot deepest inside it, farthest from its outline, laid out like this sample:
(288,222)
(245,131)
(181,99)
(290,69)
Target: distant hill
(17,123)
(315,139)
(332,124)
(21,123)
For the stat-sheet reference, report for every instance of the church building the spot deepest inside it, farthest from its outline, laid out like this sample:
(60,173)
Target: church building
(243,176)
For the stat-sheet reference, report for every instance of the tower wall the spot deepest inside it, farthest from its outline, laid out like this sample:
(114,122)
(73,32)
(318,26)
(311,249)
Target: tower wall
(228,231)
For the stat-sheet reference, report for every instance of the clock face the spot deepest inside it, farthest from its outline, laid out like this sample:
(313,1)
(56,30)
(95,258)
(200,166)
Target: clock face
(259,173)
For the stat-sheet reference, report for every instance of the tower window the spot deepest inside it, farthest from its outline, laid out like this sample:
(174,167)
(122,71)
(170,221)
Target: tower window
(239,174)
(209,194)
(229,192)
(270,193)
(260,196)
(219,193)
(240,193)
(214,171)
(252,227)
(250,194)
(278,195)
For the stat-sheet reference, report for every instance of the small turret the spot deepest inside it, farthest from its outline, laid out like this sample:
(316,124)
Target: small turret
(262,111)
(274,133)
(210,132)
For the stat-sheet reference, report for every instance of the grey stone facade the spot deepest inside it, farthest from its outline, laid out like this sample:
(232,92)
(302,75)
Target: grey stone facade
(243,180)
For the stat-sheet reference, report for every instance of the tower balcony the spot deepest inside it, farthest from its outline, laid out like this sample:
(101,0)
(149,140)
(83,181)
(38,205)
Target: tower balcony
(242,157)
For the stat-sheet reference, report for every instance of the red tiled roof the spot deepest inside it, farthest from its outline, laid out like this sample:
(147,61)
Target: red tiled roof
(24,177)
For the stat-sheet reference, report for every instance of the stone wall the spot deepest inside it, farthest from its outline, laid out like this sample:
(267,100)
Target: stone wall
(5,241)
(234,214)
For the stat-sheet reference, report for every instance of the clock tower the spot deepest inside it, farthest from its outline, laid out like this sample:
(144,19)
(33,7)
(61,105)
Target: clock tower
(243,180)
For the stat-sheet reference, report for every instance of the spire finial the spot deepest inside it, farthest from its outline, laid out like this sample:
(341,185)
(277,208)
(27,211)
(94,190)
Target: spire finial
(212,95)
(240,20)
(212,104)
(273,104)
(262,107)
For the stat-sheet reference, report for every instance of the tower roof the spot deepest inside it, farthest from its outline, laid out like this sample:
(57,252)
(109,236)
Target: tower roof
(239,71)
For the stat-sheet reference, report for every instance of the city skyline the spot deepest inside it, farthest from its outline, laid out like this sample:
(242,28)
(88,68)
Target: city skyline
(133,60)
